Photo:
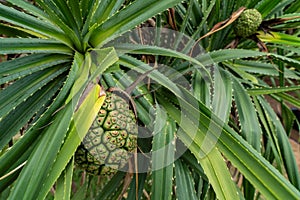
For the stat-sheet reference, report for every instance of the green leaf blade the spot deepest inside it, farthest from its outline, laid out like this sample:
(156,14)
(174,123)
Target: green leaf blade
(64,183)
(185,185)
(15,120)
(27,65)
(32,45)
(49,146)
(247,115)
(163,152)
(127,19)
(22,89)
(31,23)
(280,38)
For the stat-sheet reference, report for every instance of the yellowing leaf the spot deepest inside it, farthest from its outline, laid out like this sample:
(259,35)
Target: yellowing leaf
(279,38)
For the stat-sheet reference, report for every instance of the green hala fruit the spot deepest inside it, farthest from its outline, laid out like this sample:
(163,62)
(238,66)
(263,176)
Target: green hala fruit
(111,139)
(247,23)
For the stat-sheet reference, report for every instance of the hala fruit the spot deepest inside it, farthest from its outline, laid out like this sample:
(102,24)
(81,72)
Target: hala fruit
(111,139)
(247,23)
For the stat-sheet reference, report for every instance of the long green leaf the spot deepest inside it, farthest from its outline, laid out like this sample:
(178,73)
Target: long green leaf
(29,7)
(64,183)
(7,181)
(103,11)
(192,162)
(243,74)
(294,7)
(163,151)
(293,62)
(102,60)
(247,115)
(60,15)
(114,184)
(257,67)
(23,66)
(274,90)
(266,6)
(222,94)
(22,89)
(12,125)
(86,7)
(29,22)
(285,147)
(32,45)
(29,182)
(137,187)
(201,88)
(185,188)
(76,12)
(206,11)
(289,98)
(67,14)
(291,49)
(272,149)
(12,31)
(279,8)
(128,18)
(154,50)
(279,38)
(227,54)
(16,119)
(82,76)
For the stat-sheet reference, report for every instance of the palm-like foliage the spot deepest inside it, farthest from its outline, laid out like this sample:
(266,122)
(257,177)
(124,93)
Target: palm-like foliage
(63,46)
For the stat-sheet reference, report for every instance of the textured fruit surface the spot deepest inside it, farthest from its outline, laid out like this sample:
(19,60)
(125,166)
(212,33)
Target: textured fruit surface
(247,23)
(111,139)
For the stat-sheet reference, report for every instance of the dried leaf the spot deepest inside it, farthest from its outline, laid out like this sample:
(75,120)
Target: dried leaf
(223,24)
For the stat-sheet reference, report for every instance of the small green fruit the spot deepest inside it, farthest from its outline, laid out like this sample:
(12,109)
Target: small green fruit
(111,139)
(247,23)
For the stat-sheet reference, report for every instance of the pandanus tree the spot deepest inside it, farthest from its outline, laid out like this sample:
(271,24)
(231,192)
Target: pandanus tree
(85,81)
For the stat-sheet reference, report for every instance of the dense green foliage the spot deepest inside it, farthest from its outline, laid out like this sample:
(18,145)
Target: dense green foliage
(206,128)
